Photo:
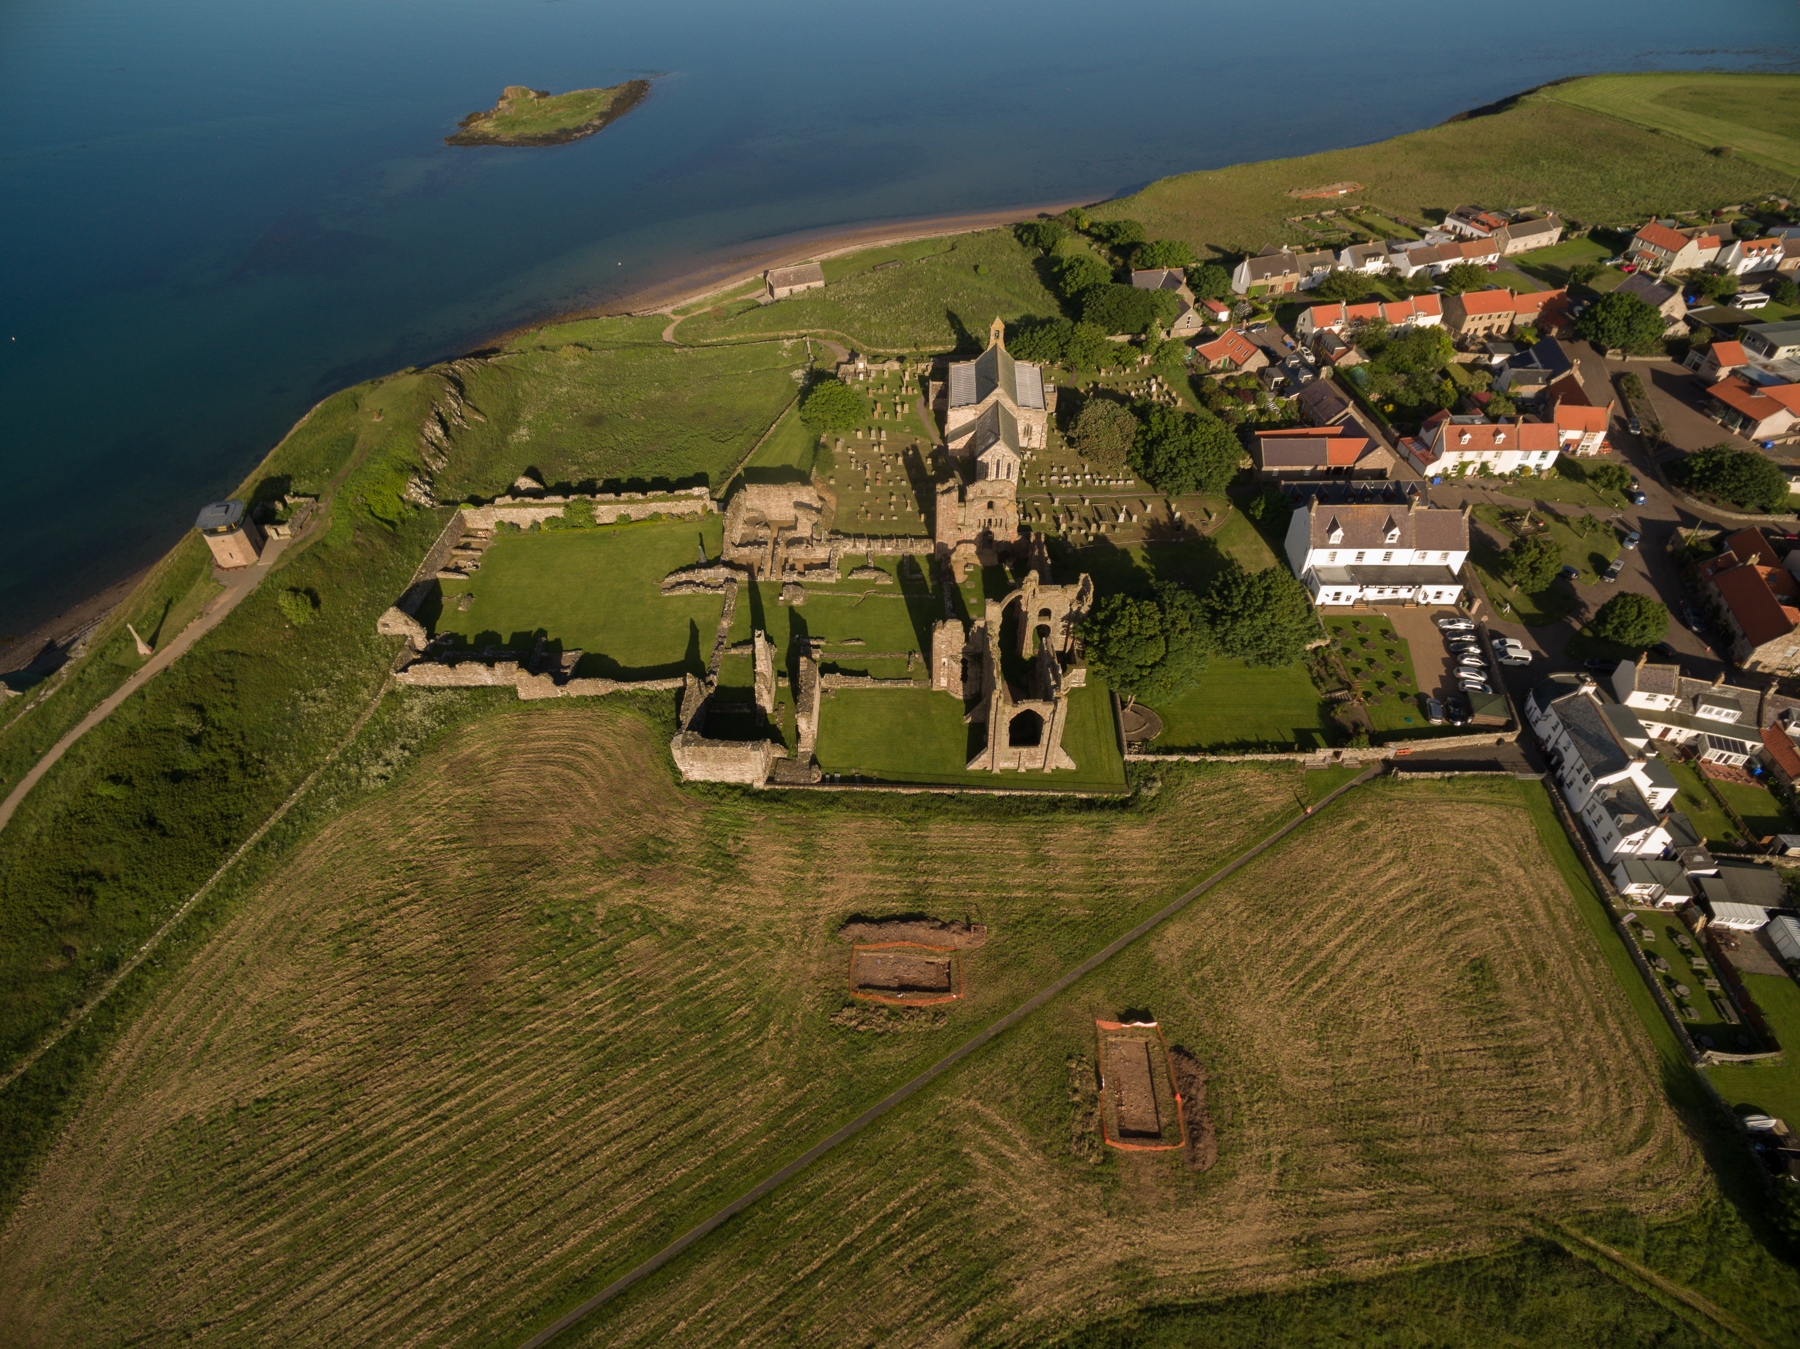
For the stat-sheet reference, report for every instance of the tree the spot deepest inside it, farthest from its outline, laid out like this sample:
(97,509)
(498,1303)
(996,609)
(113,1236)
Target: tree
(1162,253)
(1091,349)
(1631,620)
(1122,638)
(1534,562)
(1042,341)
(1785,291)
(1079,273)
(1622,320)
(1209,281)
(1118,233)
(1464,277)
(1179,452)
(1742,477)
(832,405)
(299,607)
(1607,477)
(1262,618)
(1126,309)
(1344,286)
(1042,234)
(1187,642)
(1104,432)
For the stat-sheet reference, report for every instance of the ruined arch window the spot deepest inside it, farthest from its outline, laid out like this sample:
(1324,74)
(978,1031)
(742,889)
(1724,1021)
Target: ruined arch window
(1025,729)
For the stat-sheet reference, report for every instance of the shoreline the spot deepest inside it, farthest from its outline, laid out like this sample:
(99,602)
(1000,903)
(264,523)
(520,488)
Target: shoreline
(689,285)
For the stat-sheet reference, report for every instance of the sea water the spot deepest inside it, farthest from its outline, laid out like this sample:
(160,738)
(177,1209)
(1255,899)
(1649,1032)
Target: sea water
(215,212)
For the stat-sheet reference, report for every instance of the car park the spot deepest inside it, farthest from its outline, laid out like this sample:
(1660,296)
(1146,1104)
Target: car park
(1511,651)
(1631,539)
(1457,709)
(1456,625)
(1434,712)
(1613,569)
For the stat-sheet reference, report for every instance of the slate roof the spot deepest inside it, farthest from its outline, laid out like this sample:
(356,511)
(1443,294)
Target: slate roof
(1322,402)
(972,381)
(1159,278)
(1625,803)
(1588,731)
(1367,525)
(806,274)
(1648,289)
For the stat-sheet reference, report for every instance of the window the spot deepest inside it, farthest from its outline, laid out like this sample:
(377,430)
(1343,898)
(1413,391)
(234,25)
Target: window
(1331,556)
(1387,557)
(1360,556)
(1443,557)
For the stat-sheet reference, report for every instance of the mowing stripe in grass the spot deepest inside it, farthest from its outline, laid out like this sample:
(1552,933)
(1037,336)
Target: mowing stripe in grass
(938,1069)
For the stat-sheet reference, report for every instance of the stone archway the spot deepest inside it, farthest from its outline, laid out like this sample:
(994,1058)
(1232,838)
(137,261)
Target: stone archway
(1025,730)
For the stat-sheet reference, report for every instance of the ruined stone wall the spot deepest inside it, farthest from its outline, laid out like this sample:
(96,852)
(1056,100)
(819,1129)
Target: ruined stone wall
(608,509)
(948,638)
(745,762)
(806,708)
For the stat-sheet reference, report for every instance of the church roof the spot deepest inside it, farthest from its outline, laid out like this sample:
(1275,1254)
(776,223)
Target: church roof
(972,381)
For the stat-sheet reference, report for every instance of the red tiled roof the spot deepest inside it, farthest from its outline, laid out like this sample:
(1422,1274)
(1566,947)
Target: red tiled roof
(1706,240)
(1729,353)
(1788,395)
(1343,451)
(1326,315)
(1528,305)
(1232,346)
(1304,432)
(1567,389)
(1768,245)
(1583,417)
(1537,436)
(1738,393)
(1749,545)
(1424,306)
(1661,236)
(1487,302)
(1781,750)
(1216,308)
(1362,313)
(1747,593)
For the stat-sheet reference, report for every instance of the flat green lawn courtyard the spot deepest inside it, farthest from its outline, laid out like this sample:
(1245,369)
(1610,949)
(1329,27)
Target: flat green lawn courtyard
(1694,801)
(1769,1088)
(596,590)
(1241,707)
(918,736)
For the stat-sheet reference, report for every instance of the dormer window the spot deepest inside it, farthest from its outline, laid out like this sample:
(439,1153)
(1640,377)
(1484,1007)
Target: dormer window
(1464,438)
(1499,437)
(1334,532)
(1392,532)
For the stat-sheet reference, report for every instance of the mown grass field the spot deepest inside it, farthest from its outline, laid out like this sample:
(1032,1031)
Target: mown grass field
(607,402)
(1241,707)
(940,299)
(593,590)
(513,1019)
(1756,117)
(1542,150)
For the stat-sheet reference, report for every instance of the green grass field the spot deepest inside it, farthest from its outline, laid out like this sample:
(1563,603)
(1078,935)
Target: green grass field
(1757,117)
(1771,1088)
(1758,808)
(1544,149)
(1552,265)
(605,401)
(1698,804)
(918,736)
(595,590)
(1242,707)
(942,301)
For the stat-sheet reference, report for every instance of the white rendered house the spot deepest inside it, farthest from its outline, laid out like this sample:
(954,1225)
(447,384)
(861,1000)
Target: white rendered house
(1378,554)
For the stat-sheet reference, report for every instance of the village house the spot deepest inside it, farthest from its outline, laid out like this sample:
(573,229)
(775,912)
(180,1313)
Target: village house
(1215,312)
(1755,411)
(1378,554)
(1661,881)
(785,281)
(1337,352)
(1743,256)
(1296,454)
(1282,270)
(1439,258)
(1663,248)
(1322,403)
(1420,311)
(1187,320)
(1230,353)
(1522,236)
(1720,723)
(1482,314)
(1772,341)
(1756,598)
(1472,222)
(1598,750)
(1717,359)
(1580,426)
(1451,446)
(1365,259)
(1663,298)
(979,393)
(234,539)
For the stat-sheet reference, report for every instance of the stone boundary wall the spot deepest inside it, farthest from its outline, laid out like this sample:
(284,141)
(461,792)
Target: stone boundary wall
(476,674)
(608,510)
(435,558)
(828,682)
(1331,758)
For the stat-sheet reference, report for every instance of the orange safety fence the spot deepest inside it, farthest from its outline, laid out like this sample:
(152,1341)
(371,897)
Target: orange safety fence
(1101,1028)
(956,974)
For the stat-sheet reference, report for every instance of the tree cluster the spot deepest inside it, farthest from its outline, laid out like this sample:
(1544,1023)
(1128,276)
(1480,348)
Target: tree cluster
(1209,281)
(1621,320)
(1126,309)
(1157,645)
(832,405)
(1408,370)
(1104,432)
(1041,234)
(1162,253)
(1630,619)
(1079,346)
(1179,452)
(1742,477)
(1533,562)
(1464,277)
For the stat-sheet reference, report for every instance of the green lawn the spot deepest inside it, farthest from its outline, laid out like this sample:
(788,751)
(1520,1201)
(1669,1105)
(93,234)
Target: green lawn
(1240,707)
(1771,1088)
(1758,808)
(1551,265)
(1698,804)
(592,589)
(944,300)
(1193,562)
(606,401)
(788,452)
(1757,117)
(1562,490)
(1590,553)
(918,736)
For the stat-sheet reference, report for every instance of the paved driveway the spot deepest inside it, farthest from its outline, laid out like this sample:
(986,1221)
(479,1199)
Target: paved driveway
(1432,662)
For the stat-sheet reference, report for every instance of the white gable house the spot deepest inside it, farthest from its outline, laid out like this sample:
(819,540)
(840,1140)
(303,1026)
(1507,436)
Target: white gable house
(1378,554)
(1600,754)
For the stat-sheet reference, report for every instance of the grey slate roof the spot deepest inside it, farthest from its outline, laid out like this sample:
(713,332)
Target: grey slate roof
(1625,804)
(1648,289)
(806,274)
(1752,885)
(1271,265)
(219,515)
(1588,731)
(972,381)
(1294,451)
(996,423)
(1159,278)
(1366,526)
(1322,402)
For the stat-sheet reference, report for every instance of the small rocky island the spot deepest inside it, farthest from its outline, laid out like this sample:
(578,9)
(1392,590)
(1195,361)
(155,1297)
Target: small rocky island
(537,117)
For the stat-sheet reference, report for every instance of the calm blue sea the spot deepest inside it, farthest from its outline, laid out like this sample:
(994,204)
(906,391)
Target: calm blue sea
(214,212)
